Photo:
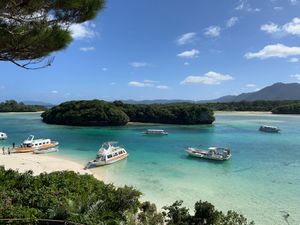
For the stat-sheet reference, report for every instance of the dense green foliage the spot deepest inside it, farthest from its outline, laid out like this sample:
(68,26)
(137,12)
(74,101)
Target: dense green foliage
(177,113)
(101,113)
(287,109)
(13,106)
(83,199)
(32,29)
(263,106)
(86,113)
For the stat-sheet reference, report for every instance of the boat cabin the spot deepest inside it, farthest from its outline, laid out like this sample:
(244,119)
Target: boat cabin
(156,131)
(3,135)
(31,143)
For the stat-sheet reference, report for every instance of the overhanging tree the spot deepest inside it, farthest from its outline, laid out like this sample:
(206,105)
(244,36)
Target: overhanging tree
(30,30)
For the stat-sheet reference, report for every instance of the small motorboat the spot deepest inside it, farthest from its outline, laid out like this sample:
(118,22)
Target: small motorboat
(156,132)
(46,150)
(3,136)
(214,153)
(269,129)
(31,145)
(109,153)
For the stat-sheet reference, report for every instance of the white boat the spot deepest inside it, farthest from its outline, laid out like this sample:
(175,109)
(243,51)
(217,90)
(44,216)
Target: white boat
(109,153)
(214,153)
(156,132)
(31,145)
(270,129)
(44,151)
(3,136)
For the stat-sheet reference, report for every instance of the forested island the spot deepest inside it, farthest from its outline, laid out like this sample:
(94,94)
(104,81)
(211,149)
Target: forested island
(13,106)
(101,113)
(83,199)
(276,107)
(287,109)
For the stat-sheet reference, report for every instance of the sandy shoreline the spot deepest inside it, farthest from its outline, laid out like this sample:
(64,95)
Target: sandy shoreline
(40,163)
(242,112)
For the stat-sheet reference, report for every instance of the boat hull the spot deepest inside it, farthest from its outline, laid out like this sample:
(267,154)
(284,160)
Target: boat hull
(95,163)
(204,155)
(32,149)
(45,151)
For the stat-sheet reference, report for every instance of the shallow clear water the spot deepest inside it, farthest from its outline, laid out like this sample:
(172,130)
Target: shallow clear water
(262,180)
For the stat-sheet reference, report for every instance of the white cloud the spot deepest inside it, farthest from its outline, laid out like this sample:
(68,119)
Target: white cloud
(294,2)
(54,92)
(213,31)
(292,28)
(296,76)
(138,64)
(83,31)
(250,85)
(210,78)
(136,84)
(244,5)
(104,69)
(186,38)
(189,54)
(147,83)
(294,60)
(278,8)
(232,21)
(162,87)
(186,63)
(275,51)
(270,28)
(87,49)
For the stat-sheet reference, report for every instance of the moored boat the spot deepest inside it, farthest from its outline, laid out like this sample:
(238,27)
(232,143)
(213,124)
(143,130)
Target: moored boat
(44,151)
(109,153)
(31,145)
(214,153)
(3,136)
(270,129)
(156,132)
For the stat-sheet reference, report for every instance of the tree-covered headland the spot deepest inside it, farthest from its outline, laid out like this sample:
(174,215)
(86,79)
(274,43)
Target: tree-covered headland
(101,113)
(13,106)
(83,199)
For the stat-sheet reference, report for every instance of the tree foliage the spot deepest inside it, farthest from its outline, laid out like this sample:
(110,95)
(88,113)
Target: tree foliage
(32,29)
(13,106)
(263,106)
(287,109)
(86,113)
(101,113)
(83,199)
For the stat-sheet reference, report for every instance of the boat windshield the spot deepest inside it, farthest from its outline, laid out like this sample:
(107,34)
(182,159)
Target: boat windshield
(30,138)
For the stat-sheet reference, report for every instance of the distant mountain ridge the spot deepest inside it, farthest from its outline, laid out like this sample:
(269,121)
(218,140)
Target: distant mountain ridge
(275,92)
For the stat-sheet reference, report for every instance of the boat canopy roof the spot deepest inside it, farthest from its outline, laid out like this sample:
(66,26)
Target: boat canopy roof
(155,130)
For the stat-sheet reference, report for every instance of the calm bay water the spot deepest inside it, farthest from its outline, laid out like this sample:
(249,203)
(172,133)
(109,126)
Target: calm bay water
(262,180)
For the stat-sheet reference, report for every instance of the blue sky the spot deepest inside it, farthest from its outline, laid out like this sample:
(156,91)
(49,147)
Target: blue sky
(142,49)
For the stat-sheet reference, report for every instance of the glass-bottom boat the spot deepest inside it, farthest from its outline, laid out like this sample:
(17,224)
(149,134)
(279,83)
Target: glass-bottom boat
(31,145)
(109,153)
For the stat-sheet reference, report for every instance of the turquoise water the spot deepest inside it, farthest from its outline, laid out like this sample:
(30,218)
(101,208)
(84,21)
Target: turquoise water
(262,180)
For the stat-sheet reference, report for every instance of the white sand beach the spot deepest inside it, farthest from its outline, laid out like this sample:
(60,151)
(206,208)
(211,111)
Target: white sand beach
(39,163)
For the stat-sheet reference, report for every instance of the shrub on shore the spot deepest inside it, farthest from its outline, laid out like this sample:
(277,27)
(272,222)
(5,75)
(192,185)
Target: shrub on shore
(83,199)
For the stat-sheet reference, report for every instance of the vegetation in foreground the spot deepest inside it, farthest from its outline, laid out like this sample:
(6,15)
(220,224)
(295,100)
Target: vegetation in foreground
(101,113)
(13,106)
(83,199)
